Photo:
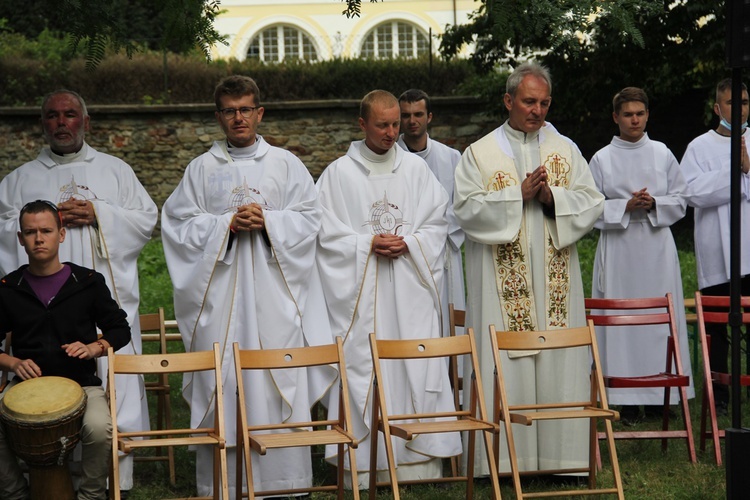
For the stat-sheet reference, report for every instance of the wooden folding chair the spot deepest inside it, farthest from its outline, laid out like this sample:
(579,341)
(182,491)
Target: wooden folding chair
(294,434)
(407,427)
(154,322)
(717,313)
(594,409)
(127,442)
(645,312)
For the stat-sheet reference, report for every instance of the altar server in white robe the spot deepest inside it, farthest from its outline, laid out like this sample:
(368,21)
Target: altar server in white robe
(416,114)
(239,236)
(706,167)
(524,197)
(108,216)
(636,256)
(381,257)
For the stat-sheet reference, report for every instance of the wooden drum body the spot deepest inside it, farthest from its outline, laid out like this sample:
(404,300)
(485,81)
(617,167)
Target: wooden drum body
(42,419)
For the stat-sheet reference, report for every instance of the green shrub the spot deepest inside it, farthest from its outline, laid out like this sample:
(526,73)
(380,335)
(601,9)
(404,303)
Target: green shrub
(31,68)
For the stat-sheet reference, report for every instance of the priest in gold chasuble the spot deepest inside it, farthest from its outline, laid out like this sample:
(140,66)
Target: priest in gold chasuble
(524,196)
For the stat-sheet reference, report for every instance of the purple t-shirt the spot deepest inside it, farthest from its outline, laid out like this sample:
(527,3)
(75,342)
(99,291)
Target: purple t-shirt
(46,287)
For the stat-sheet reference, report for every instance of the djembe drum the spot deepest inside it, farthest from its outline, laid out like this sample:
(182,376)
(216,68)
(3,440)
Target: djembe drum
(42,418)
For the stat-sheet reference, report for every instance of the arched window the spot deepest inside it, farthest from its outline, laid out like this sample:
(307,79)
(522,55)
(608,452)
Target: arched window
(280,42)
(395,39)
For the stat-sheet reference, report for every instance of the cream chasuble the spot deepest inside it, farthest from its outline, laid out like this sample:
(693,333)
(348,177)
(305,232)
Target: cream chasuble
(523,273)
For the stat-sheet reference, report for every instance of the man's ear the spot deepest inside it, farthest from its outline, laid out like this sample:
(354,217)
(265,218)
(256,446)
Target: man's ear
(62,234)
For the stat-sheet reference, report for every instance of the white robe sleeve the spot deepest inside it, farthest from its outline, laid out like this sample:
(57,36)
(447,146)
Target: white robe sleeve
(487,217)
(614,215)
(125,225)
(577,207)
(707,187)
(343,252)
(670,207)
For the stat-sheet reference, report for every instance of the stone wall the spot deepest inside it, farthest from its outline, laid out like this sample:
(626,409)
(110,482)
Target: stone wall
(159,141)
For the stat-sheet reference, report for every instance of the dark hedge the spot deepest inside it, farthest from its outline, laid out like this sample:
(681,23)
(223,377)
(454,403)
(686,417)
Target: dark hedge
(151,78)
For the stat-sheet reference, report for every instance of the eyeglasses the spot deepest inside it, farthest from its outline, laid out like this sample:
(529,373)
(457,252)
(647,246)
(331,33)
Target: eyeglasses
(245,111)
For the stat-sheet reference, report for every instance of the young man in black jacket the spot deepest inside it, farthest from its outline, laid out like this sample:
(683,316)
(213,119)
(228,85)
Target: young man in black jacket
(53,310)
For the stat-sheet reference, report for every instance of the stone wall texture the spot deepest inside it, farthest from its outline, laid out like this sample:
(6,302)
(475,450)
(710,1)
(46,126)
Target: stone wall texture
(159,141)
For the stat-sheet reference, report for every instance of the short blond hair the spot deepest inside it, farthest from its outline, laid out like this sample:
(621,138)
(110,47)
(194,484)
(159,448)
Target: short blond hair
(382,97)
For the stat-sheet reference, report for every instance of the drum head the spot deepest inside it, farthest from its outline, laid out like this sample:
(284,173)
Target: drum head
(43,399)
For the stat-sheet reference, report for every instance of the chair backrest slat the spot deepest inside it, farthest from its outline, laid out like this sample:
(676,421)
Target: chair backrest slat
(164,363)
(628,319)
(550,339)
(424,348)
(265,359)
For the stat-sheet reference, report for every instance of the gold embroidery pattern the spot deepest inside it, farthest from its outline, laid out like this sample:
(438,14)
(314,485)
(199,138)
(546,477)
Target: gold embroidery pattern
(558,170)
(512,276)
(558,283)
(501,180)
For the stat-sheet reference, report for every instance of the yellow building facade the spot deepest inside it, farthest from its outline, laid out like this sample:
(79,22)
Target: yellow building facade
(318,30)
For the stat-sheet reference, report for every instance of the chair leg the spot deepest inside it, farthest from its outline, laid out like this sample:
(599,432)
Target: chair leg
(374,448)
(489,439)
(613,459)
(353,467)
(114,475)
(688,425)
(470,465)
(594,458)
(709,404)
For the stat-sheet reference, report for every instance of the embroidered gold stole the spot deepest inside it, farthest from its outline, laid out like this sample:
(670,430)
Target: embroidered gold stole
(513,272)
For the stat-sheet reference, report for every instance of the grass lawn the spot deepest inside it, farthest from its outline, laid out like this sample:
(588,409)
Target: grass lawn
(647,472)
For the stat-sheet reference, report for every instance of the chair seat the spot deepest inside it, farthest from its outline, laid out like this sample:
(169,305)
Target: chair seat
(263,442)
(726,379)
(528,418)
(656,380)
(407,431)
(128,445)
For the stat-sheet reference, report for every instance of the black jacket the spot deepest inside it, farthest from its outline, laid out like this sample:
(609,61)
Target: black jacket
(83,303)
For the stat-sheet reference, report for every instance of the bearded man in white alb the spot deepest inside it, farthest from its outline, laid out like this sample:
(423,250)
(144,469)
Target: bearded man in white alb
(416,114)
(108,216)
(706,167)
(381,256)
(524,197)
(239,237)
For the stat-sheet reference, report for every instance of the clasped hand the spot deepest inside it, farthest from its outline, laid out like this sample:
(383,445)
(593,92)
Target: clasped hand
(76,213)
(640,200)
(389,245)
(535,185)
(248,218)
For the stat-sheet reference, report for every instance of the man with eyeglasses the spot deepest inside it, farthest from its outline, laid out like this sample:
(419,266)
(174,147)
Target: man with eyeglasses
(239,237)
(108,216)
(54,310)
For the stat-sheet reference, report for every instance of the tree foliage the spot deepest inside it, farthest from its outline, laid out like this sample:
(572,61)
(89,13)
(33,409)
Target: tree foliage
(353,7)
(510,31)
(594,48)
(96,25)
